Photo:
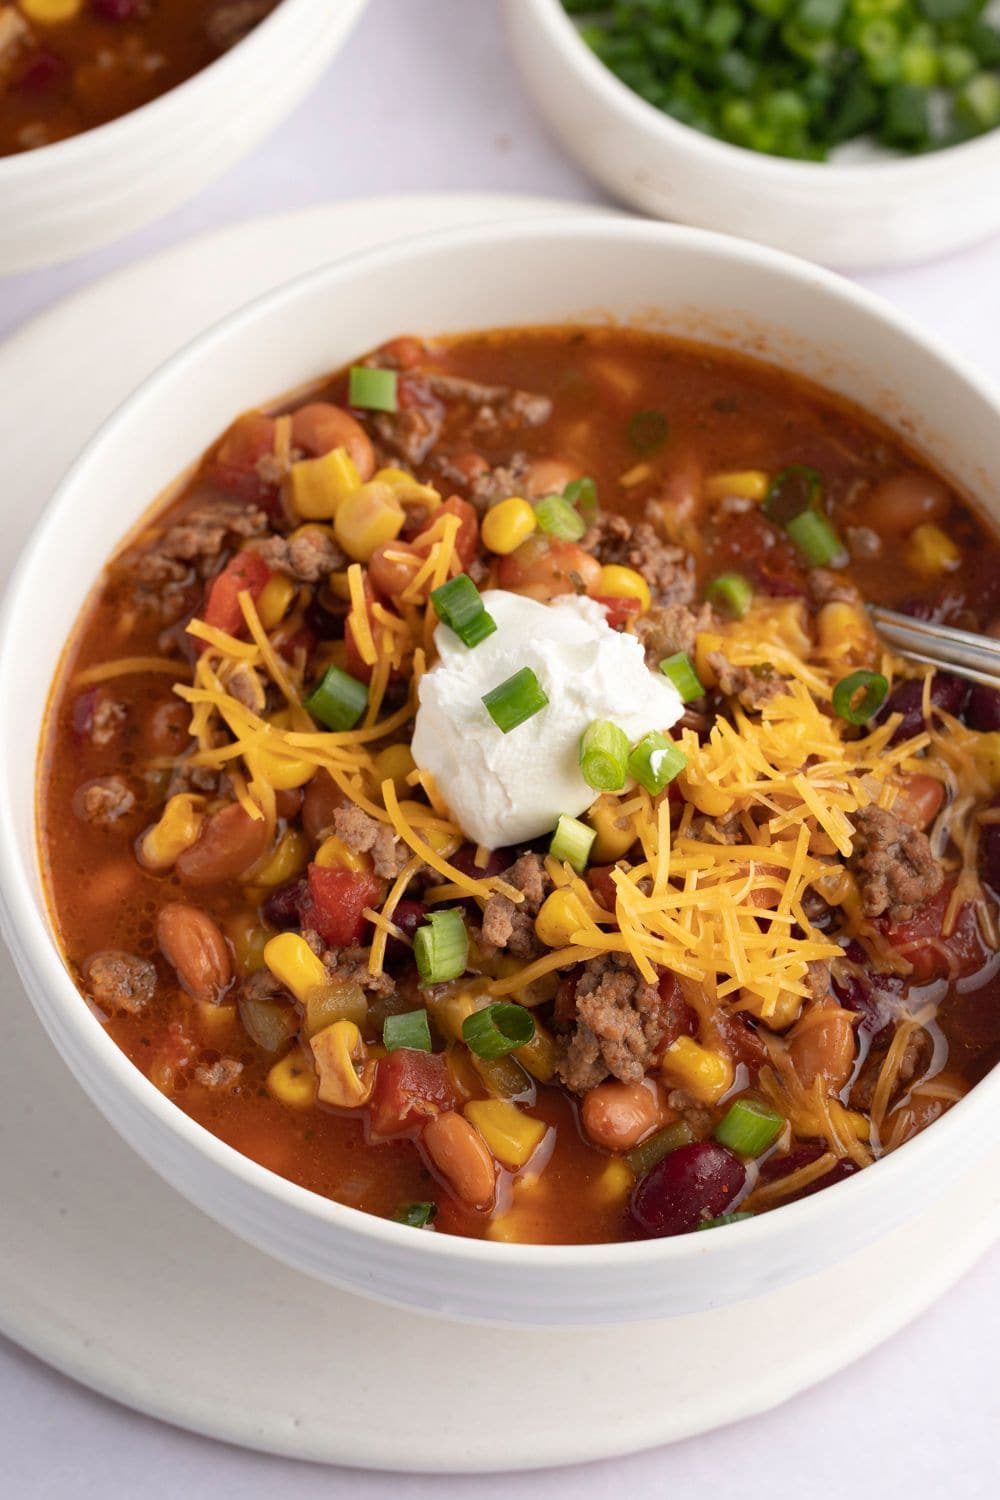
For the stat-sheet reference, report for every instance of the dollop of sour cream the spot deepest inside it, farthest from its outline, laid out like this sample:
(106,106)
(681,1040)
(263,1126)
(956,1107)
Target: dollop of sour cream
(505,789)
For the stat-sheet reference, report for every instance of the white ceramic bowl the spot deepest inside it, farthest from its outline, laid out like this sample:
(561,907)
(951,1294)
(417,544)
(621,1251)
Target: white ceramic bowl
(72,196)
(692,283)
(858,213)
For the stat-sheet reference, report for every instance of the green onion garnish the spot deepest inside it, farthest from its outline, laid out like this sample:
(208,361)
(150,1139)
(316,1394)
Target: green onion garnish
(648,431)
(441,947)
(410,1029)
(731,594)
(604,756)
(416,1215)
(847,704)
(792,491)
(557,517)
(654,761)
(460,605)
(498,1029)
(514,701)
(816,539)
(680,671)
(338,701)
(371,388)
(655,1147)
(572,842)
(749,1127)
(583,494)
(725,1219)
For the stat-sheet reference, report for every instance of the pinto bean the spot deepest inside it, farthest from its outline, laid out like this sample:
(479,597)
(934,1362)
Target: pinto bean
(549,476)
(618,1115)
(320,427)
(192,943)
(462,1157)
(896,505)
(229,843)
(919,800)
(321,800)
(821,1045)
(542,569)
(165,731)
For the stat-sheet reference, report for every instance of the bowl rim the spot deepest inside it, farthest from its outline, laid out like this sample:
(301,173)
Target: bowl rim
(152,117)
(592,74)
(32,940)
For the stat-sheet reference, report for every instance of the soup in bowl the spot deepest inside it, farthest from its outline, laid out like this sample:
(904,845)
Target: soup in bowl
(487,842)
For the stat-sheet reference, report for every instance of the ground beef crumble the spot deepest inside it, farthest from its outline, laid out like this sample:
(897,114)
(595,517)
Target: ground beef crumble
(365,835)
(668,570)
(308,557)
(894,865)
(104,800)
(666,629)
(119,981)
(219,1075)
(511,925)
(619,1025)
(752,686)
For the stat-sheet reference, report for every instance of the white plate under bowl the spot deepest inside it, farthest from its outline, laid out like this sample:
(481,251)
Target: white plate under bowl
(114,1279)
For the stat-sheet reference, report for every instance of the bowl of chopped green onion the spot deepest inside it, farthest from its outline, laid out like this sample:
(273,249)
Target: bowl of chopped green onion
(860,133)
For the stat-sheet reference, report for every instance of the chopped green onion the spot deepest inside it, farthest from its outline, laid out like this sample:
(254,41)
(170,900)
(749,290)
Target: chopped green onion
(441,947)
(792,491)
(604,756)
(514,701)
(816,539)
(338,701)
(725,1219)
(498,1029)
(583,494)
(648,431)
(680,671)
(572,842)
(873,688)
(411,1029)
(654,761)
(416,1215)
(655,1147)
(731,593)
(556,517)
(460,605)
(371,388)
(749,1127)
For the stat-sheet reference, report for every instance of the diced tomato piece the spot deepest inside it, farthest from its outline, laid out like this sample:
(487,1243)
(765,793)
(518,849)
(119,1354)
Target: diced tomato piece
(600,882)
(247,570)
(467,539)
(619,611)
(410,1087)
(337,899)
(919,939)
(679,1018)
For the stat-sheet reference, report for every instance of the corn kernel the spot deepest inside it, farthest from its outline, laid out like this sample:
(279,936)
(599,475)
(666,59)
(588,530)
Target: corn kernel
(346,1073)
(292,1081)
(368,519)
(294,964)
(334,854)
(617,582)
(539,1055)
(706,643)
(276,595)
(507,525)
(438,838)
(844,632)
(703,1074)
(615,834)
(283,772)
(51,12)
(615,1182)
(708,799)
(394,764)
(249,940)
(562,915)
(408,491)
(319,486)
(930,551)
(741,484)
(215,1021)
(289,859)
(178,828)
(512,1136)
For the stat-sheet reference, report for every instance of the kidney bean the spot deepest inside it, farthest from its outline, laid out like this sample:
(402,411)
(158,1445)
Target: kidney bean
(982,711)
(464,859)
(692,1184)
(617,1115)
(408,916)
(116,10)
(282,909)
(230,842)
(948,692)
(193,944)
(989,855)
(462,1157)
(777,1167)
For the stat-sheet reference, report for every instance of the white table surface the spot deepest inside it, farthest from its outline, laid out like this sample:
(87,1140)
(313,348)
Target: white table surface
(424,98)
